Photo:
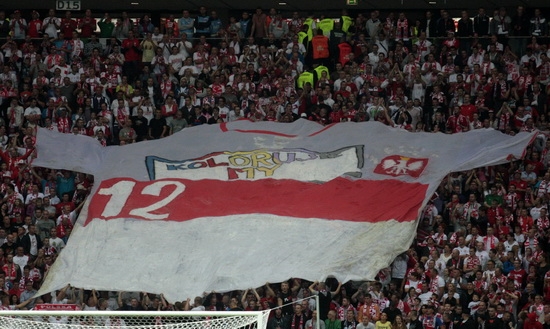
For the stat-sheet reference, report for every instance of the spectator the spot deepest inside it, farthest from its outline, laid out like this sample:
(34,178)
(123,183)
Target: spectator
(131,50)
(106,26)
(145,26)
(4,25)
(28,294)
(259,24)
(35,26)
(278,320)
(312,322)
(132,304)
(383,323)
(87,24)
(123,27)
(331,321)
(186,24)
(18,25)
(68,25)
(202,23)
(244,26)
(520,28)
(445,24)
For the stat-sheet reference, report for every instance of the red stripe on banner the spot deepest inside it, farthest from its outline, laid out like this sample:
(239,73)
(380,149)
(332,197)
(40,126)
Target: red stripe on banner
(322,130)
(180,200)
(224,128)
(266,132)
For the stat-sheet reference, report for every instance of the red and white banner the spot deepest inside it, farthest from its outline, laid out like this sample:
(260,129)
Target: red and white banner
(223,207)
(181,200)
(56,307)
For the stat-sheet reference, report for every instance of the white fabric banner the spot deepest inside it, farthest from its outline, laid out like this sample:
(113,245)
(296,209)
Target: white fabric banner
(223,207)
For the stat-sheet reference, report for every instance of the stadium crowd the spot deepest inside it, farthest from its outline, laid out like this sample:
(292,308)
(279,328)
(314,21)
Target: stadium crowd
(480,259)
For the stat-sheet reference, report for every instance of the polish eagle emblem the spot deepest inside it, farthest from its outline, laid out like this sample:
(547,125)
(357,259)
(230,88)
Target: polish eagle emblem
(397,165)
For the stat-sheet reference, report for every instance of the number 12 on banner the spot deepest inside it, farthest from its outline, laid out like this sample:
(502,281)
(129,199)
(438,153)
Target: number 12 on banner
(126,198)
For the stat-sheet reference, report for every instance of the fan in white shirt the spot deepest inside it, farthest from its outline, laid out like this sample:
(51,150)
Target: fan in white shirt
(34,194)
(66,213)
(176,59)
(20,259)
(51,24)
(188,65)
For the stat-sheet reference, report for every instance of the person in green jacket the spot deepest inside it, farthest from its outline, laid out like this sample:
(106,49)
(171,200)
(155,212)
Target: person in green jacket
(332,322)
(106,26)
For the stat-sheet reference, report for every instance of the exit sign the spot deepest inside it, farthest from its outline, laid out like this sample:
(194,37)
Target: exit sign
(351,2)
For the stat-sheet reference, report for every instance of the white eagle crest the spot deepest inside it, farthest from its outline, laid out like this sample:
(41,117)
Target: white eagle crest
(401,166)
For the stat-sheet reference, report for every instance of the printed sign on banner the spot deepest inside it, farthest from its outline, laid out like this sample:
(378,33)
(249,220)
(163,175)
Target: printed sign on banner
(56,307)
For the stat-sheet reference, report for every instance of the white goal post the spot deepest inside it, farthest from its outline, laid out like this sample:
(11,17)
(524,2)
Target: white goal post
(133,319)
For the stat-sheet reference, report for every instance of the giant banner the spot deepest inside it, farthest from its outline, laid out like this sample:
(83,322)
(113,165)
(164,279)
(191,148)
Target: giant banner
(233,206)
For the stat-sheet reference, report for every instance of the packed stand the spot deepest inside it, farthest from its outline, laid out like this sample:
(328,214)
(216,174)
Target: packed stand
(480,259)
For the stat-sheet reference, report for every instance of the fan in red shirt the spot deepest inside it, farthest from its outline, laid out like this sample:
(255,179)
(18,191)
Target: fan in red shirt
(68,25)
(348,114)
(11,157)
(87,24)
(170,108)
(531,322)
(468,109)
(494,211)
(336,115)
(457,122)
(396,87)
(348,87)
(517,275)
(502,229)
(521,185)
(525,221)
(35,25)
(65,201)
(547,287)
(130,46)
(538,166)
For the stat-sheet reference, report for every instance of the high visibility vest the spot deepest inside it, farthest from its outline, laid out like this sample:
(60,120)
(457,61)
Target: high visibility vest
(345,50)
(303,36)
(320,69)
(347,22)
(326,25)
(303,78)
(320,47)
(415,34)
(309,21)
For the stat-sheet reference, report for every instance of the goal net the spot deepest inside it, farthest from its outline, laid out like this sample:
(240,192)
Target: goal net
(132,319)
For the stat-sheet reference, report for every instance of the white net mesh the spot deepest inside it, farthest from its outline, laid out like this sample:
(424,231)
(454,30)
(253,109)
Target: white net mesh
(141,320)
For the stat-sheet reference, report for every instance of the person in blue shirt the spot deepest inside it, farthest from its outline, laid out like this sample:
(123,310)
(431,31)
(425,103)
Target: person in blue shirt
(65,182)
(215,24)
(62,47)
(246,25)
(186,24)
(202,23)
(507,265)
